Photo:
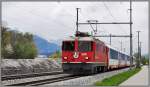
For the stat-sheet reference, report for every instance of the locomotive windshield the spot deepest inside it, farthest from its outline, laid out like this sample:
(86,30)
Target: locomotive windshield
(68,46)
(84,46)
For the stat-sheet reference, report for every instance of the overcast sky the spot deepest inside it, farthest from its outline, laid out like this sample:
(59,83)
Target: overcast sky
(57,20)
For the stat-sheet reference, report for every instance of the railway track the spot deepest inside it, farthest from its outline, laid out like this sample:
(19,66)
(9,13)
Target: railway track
(21,76)
(42,78)
(51,79)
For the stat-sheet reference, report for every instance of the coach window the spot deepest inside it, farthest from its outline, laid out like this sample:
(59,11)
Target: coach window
(113,54)
(68,46)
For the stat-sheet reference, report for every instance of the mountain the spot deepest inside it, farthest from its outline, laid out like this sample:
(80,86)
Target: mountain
(58,41)
(44,47)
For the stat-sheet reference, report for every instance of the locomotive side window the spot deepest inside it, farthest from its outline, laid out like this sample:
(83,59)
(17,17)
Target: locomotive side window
(84,46)
(68,46)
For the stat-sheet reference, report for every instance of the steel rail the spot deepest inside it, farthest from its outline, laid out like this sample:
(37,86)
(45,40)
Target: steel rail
(45,81)
(21,76)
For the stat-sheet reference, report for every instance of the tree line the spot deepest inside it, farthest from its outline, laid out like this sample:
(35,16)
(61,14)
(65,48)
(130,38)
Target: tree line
(144,59)
(17,45)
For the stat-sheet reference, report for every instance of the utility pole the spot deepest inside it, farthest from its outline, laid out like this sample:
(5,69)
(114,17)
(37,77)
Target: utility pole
(131,55)
(77,20)
(140,52)
(110,39)
(138,58)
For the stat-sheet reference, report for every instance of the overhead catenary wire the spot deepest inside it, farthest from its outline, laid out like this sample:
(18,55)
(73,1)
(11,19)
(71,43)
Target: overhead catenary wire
(46,19)
(110,13)
(107,8)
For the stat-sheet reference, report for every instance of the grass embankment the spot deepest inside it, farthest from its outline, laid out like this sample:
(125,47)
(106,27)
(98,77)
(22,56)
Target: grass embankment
(117,79)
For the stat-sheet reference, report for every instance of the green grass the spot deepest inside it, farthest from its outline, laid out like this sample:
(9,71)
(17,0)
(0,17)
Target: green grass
(117,79)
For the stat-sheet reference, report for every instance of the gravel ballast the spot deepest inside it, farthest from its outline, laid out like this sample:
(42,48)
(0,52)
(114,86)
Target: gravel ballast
(89,80)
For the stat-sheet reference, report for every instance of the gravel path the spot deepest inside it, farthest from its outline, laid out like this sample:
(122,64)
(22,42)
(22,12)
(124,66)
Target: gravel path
(139,79)
(88,80)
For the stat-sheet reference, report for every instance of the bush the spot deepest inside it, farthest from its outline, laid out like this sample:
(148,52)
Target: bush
(25,51)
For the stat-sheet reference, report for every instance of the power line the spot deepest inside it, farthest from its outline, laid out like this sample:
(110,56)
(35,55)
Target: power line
(46,19)
(106,23)
(113,16)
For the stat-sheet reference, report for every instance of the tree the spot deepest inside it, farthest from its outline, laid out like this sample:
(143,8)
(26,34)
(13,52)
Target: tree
(144,60)
(6,48)
(17,45)
(138,61)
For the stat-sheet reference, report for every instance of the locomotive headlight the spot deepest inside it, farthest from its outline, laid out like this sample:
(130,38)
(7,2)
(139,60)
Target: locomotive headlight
(65,57)
(86,58)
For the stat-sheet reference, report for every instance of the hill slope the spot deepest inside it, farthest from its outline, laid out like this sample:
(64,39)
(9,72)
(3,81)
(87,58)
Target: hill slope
(44,47)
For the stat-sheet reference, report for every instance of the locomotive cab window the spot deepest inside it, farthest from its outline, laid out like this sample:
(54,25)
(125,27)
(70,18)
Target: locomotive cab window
(84,46)
(68,46)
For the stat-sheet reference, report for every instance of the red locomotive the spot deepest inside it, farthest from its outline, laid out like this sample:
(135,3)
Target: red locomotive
(84,54)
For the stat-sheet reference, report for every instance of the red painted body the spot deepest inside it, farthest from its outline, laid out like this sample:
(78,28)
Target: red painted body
(98,54)
(98,58)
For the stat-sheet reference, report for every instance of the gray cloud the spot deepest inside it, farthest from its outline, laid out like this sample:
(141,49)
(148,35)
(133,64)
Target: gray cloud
(55,20)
